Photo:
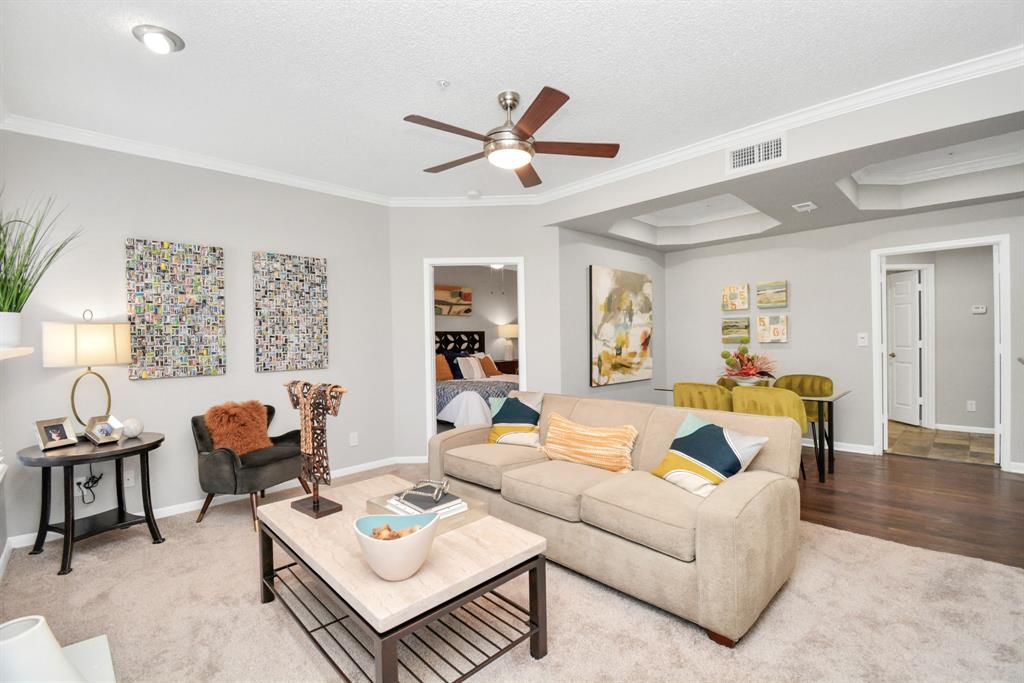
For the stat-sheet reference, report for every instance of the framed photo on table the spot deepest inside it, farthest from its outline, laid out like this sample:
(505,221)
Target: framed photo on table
(55,432)
(103,429)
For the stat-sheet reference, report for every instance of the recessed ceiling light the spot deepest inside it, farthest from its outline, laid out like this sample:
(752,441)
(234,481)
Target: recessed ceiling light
(158,39)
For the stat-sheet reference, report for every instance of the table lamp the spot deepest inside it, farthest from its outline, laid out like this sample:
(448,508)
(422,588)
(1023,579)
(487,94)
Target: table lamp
(508,333)
(85,344)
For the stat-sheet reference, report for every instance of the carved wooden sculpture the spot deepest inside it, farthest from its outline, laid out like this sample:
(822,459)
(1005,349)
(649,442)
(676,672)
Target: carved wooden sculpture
(314,403)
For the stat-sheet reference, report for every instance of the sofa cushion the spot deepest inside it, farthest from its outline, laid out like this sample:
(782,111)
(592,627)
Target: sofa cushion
(645,509)
(553,487)
(484,463)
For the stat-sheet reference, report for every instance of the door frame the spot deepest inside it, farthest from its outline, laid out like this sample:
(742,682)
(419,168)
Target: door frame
(927,302)
(428,321)
(1003,307)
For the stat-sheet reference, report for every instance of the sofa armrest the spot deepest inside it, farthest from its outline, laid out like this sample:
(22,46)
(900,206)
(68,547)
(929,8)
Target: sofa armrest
(747,539)
(292,438)
(217,470)
(453,438)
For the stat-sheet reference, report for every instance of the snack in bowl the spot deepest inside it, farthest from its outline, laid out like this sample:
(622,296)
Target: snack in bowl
(396,546)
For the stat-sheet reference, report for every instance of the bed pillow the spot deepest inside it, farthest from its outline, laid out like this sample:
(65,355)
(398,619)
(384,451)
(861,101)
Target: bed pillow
(452,358)
(490,369)
(703,455)
(242,427)
(442,369)
(471,368)
(609,448)
(516,420)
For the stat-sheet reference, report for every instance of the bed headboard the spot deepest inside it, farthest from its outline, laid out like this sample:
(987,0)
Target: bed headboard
(468,342)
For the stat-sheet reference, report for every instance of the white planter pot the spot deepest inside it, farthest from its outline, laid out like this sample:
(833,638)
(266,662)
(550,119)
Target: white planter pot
(10,329)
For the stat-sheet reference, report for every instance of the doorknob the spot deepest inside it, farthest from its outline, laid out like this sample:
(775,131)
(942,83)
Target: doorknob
(892,354)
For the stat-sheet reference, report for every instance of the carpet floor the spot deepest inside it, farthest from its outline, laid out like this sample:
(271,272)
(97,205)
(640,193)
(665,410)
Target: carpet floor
(856,609)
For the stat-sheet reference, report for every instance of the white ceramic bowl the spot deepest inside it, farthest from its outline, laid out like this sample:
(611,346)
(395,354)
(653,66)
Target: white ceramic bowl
(399,559)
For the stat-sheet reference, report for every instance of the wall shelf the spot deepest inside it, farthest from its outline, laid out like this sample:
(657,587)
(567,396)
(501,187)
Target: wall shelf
(7,353)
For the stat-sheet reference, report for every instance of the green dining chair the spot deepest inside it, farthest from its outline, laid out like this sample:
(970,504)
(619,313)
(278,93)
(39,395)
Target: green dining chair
(771,401)
(810,385)
(697,395)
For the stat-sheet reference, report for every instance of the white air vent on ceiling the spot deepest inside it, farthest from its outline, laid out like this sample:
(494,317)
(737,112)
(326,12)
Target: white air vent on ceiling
(740,158)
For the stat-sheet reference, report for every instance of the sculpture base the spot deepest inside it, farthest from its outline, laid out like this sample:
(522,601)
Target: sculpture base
(326,507)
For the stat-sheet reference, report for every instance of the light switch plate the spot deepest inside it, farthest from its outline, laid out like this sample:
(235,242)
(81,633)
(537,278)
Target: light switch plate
(353,438)
(862,339)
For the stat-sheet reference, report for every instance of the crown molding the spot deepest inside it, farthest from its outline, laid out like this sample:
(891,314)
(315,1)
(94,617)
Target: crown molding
(1010,58)
(58,131)
(951,170)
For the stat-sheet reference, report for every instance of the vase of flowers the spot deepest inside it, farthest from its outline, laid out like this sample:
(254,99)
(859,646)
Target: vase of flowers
(745,368)
(27,250)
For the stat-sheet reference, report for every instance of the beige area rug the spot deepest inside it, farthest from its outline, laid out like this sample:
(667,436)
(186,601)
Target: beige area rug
(857,608)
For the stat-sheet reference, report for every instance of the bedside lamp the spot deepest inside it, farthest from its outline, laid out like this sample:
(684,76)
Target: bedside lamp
(508,333)
(85,344)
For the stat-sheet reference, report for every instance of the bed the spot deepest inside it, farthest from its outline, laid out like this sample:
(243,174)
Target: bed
(464,401)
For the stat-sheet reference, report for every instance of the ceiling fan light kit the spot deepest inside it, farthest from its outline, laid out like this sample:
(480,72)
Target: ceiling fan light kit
(511,146)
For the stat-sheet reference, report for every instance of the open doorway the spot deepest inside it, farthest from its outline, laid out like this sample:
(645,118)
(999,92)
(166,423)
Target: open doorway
(941,329)
(474,312)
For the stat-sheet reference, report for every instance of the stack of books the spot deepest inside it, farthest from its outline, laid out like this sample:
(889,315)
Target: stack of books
(415,505)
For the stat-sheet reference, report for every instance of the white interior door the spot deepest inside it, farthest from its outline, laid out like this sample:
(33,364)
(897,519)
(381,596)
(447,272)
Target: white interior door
(903,346)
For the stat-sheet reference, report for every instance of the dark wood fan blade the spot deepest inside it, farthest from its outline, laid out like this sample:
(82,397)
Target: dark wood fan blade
(431,123)
(578,149)
(453,164)
(543,108)
(528,175)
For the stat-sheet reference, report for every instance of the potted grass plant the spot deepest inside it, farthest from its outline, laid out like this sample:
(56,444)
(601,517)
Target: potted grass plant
(27,250)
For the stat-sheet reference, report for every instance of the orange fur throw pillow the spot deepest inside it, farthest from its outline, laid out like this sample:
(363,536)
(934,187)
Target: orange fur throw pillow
(242,427)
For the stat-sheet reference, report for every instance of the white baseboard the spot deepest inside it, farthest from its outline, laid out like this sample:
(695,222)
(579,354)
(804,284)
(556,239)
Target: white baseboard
(1015,467)
(861,448)
(961,428)
(4,557)
(25,540)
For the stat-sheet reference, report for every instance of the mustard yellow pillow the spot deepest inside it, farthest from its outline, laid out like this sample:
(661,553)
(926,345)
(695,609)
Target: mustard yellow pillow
(609,448)
(490,369)
(442,368)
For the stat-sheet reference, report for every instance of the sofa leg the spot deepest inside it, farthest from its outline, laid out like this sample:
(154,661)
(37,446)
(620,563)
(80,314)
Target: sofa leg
(305,486)
(253,503)
(206,506)
(720,639)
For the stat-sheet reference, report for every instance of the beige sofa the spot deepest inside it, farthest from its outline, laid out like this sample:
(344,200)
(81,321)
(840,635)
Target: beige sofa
(716,561)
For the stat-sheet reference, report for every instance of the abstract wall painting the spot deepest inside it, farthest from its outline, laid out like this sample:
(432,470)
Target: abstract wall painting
(773,294)
(772,329)
(735,297)
(175,309)
(735,330)
(453,300)
(621,323)
(290,305)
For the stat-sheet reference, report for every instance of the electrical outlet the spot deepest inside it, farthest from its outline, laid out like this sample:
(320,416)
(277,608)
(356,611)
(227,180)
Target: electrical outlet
(353,438)
(79,481)
(129,478)
(972,406)
(862,339)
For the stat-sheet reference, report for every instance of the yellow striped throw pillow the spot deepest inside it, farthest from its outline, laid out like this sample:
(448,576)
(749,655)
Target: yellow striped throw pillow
(609,448)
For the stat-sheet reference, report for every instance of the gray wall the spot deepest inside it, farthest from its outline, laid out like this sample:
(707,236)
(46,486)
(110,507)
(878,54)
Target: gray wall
(829,291)
(112,196)
(964,354)
(494,302)
(577,251)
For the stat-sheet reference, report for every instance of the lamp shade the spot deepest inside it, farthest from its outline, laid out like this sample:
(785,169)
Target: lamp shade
(67,345)
(29,652)
(510,331)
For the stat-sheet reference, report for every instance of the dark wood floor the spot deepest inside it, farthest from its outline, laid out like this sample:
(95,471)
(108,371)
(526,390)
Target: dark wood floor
(949,506)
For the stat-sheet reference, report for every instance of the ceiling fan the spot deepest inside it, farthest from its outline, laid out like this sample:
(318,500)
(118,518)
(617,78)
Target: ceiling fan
(512,146)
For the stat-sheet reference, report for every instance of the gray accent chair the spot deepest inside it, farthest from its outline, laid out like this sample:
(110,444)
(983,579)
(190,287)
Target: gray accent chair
(221,470)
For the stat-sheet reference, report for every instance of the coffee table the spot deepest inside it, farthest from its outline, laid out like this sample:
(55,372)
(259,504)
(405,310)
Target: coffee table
(444,623)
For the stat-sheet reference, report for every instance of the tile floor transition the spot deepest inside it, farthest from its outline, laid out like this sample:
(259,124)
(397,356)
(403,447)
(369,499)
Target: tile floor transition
(938,444)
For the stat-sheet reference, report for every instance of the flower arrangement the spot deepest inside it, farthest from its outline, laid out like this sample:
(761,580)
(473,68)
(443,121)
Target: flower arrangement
(745,365)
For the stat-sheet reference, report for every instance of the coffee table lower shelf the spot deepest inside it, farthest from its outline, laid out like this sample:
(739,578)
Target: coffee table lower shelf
(448,643)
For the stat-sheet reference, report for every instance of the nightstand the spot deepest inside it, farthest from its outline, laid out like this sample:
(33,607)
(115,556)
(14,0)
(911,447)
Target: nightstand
(508,367)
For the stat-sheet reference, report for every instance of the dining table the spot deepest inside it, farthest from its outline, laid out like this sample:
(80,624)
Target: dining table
(824,447)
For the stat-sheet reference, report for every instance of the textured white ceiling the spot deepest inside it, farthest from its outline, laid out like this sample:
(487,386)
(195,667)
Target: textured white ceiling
(319,89)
